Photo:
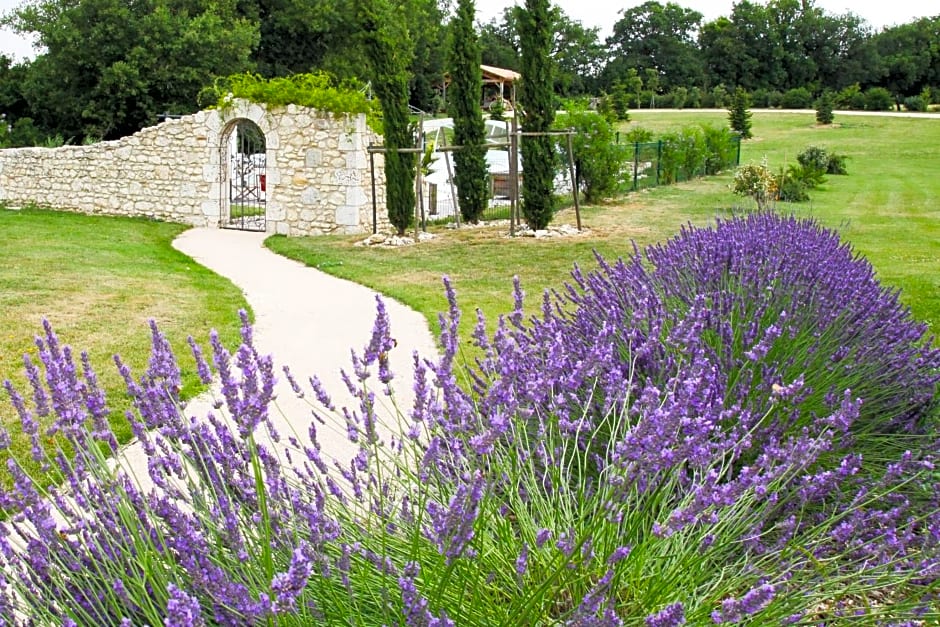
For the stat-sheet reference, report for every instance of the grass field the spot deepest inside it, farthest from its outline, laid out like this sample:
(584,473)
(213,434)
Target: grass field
(887,208)
(99,281)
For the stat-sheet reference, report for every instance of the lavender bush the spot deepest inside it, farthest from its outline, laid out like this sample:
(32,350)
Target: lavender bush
(738,426)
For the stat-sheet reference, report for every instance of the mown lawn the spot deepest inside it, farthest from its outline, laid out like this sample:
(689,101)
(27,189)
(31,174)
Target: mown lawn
(887,208)
(99,281)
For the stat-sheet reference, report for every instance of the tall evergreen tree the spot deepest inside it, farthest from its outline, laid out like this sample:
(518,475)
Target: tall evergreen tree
(389,48)
(739,115)
(537,99)
(824,106)
(469,131)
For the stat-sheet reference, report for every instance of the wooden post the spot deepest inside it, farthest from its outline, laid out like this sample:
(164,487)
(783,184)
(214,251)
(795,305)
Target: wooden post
(419,206)
(636,164)
(513,174)
(375,211)
(450,180)
(574,183)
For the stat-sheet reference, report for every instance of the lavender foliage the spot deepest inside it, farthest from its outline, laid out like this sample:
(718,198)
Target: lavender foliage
(738,425)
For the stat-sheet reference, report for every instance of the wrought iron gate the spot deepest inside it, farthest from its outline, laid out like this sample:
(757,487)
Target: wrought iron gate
(244,178)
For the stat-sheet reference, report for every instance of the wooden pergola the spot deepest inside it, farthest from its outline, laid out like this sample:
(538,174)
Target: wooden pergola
(502,77)
(495,76)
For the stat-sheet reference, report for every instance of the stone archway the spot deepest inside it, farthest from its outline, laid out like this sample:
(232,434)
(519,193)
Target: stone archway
(244,177)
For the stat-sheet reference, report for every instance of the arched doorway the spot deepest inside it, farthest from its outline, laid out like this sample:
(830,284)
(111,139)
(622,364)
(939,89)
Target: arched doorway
(244,177)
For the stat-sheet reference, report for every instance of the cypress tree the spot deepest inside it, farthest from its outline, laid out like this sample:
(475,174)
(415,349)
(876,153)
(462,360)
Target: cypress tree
(824,105)
(469,131)
(389,49)
(537,98)
(738,115)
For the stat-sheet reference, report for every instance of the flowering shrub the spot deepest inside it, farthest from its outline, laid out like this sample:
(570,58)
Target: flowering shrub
(755,181)
(740,425)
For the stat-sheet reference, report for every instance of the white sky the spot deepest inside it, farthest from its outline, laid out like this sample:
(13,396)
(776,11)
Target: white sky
(604,13)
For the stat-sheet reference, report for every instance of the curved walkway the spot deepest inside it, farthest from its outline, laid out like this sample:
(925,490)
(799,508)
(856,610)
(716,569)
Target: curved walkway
(309,321)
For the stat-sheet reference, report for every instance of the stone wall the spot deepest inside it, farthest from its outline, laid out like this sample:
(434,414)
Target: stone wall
(318,176)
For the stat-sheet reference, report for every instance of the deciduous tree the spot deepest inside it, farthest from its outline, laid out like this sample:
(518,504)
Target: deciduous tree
(658,36)
(110,67)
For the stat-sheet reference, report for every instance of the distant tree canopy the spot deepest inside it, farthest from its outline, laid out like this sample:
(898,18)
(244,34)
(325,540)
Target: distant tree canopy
(109,67)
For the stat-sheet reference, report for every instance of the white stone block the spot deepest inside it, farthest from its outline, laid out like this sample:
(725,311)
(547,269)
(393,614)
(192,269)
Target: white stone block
(313,158)
(357,160)
(310,196)
(349,141)
(276,211)
(210,173)
(356,196)
(347,216)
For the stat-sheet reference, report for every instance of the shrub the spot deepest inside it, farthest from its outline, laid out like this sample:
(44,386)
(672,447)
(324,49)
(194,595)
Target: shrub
(620,102)
(774,99)
(755,181)
(851,97)
(797,98)
(931,95)
(598,160)
(791,185)
(837,164)
(738,426)
(878,99)
(638,135)
(694,100)
(916,103)
(719,96)
(822,161)
(814,158)
(721,149)
(680,95)
(682,156)
(760,98)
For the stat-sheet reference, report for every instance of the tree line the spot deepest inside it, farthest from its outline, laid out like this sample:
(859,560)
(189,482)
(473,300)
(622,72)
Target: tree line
(110,67)
(667,55)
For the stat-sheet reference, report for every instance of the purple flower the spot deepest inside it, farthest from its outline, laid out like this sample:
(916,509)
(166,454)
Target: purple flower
(287,586)
(182,610)
(452,527)
(522,562)
(670,616)
(415,608)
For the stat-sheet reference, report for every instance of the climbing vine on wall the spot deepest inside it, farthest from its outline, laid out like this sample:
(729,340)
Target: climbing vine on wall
(318,91)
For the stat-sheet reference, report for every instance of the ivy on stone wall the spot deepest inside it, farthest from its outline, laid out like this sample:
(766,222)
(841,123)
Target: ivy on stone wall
(317,91)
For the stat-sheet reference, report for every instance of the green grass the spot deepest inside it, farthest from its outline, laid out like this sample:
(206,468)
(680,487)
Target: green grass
(887,208)
(99,281)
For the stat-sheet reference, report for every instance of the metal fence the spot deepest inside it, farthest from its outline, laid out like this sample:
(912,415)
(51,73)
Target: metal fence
(679,159)
(676,158)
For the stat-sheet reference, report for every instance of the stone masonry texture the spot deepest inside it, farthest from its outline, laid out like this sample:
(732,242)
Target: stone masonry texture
(318,173)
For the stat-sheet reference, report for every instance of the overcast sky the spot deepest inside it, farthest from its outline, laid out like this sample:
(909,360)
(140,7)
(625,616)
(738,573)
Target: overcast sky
(604,13)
